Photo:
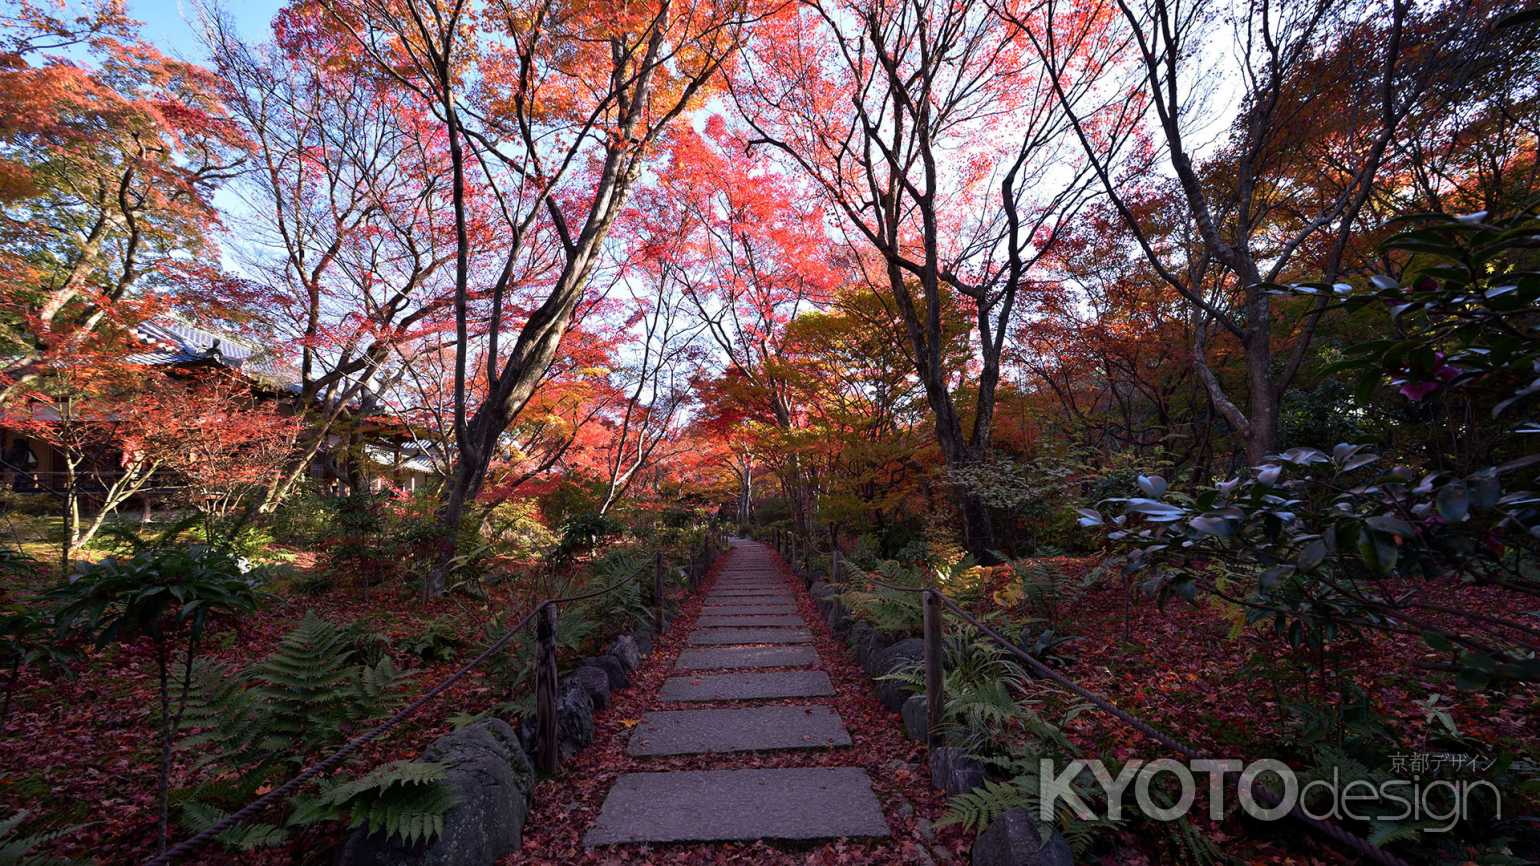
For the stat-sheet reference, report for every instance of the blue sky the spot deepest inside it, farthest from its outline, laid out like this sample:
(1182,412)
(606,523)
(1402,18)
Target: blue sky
(166,23)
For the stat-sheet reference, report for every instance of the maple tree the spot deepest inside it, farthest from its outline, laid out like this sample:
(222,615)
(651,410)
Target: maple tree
(351,240)
(1285,194)
(897,116)
(110,153)
(542,150)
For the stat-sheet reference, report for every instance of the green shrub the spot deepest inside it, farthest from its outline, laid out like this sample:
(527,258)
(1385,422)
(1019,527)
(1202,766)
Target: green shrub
(438,641)
(306,517)
(167,593)
(260,723)
(515,529)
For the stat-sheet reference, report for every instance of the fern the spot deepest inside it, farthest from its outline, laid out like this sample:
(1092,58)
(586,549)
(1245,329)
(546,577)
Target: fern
(259,722)
(406,800)
(437,642)
(1192,845)
(17,850)
(975,809)
(198,817)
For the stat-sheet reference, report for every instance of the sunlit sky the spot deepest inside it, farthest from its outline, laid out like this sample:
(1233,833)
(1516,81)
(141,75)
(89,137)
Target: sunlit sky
(166,23)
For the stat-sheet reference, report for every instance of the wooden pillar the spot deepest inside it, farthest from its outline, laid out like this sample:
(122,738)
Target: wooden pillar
(934,698)
(834,556)
(547,755)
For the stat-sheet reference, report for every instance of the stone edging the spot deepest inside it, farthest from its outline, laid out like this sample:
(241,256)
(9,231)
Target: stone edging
(1011,839)
(491,768)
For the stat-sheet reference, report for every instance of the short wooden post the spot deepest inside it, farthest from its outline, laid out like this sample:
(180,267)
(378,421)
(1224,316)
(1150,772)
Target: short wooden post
(548,753)
(834,557)
(657,591)
(934,698)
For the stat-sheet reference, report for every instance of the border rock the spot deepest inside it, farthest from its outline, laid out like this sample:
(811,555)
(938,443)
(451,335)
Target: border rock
(626,650)
(594,681)
(491,780)
(1012,839)
(954,771)
(892,694)
(916,719)
(612,667)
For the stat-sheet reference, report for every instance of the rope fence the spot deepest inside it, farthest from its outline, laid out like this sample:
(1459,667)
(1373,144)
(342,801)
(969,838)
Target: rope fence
(545,704)
(935,603)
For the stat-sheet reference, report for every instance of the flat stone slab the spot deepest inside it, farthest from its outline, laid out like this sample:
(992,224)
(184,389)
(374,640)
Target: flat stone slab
(776,591)
(741,620)
(723,636)
(747,686)
(705,805)
(753,729)
(734,657)
(746,609)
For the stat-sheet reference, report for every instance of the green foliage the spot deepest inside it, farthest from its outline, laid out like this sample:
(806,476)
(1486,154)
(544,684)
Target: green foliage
(258,723)
(582,533)
(298,700)
(628,569)
(20,850)
(27,640)
(197,817)
(1035,496)
(1046,645)
(306,517)
(436,642)
(1044,587)
(153,593)
(890,611)
(406,800)
(515,529)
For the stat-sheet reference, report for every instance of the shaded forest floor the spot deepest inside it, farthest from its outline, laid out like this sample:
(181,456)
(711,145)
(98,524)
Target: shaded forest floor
(81,751)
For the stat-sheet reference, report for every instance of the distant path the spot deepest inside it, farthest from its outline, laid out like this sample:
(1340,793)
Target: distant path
(750,622)
(750,736)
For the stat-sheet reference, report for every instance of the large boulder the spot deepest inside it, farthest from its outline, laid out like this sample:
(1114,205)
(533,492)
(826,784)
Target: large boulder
(820,590)
(906,652)
(612,667)
(626,650)
(916,718)
(954,771)
(1015,838)
(490,778)
(594,681)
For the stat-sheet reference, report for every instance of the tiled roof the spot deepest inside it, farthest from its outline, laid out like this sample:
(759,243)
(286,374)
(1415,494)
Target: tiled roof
(168,341)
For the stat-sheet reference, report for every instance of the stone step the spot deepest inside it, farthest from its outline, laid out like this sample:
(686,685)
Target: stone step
(726,636)
(746,609)
(741,620)
(733,657)
(704,805)
(747,686)
(751,729)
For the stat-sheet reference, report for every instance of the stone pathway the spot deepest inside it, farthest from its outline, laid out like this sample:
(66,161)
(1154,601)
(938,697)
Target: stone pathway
(750,620)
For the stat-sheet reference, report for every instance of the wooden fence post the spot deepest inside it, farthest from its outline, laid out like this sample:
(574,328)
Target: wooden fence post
(548,753)
(934,699)
(657,591)
(834,556)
